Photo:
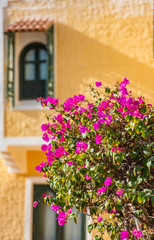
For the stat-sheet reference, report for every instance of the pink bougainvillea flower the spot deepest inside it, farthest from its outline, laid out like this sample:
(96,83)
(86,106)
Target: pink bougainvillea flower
(43,101)
(137,234)
(35,203)
(69,211)
(114,211)
(119,149)
(44,195)
(82,167)
(38,168)
(62,217)
(71,163)
(103,105)
(50,159)
(62,139)
(81,98)
(98,139)
(107,182)
(96,125)
(108,119)
(39,99)
(45,137)
(120,192)
(101,115)
(54,102)
(44,127)
(60,151)
(89,115)
(122,88)
(87,177)
(99,219)
(55,208)
(90,106)
(113,150)
(124,235)
(98,84)
(70,103)
(81,147)
(83,129)
(59,118)
(44,147)
(44,175)
(101,190)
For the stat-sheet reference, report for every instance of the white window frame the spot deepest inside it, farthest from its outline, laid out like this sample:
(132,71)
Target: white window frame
(30,37)
(30,181)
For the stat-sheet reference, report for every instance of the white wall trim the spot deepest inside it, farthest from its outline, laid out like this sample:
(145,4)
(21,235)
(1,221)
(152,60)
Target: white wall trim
(27,105)
(55,59)
(2,4)
(88,235)
(19,141)
(30,181)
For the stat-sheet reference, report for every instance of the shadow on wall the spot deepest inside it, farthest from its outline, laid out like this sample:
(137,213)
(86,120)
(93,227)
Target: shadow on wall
(82,60)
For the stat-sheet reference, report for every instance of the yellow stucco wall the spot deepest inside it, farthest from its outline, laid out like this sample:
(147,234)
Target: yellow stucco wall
(23,123)
(95,40)
(27,158)
(12,200)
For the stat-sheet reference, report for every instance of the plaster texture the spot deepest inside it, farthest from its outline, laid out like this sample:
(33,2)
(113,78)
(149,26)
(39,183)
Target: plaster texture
(12,190)
(94,41)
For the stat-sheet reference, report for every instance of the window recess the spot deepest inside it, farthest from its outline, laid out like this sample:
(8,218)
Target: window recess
(30,68)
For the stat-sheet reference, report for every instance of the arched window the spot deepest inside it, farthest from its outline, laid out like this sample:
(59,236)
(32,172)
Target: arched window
(33,71)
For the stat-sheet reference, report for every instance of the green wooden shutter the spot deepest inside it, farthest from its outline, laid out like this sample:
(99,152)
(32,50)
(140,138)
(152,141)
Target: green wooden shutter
(10,67)
(50,62)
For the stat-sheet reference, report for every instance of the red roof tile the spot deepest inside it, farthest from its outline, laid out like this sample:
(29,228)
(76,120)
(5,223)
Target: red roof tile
(30,25)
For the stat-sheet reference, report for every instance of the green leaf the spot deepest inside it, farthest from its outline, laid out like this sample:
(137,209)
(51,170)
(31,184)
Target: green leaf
(152,160)
(149,164)
(146,152)
(137,129)
(152,200)
(90,228)
(145,133)
(75,220)
(136,120)
(140,198)
(117,105)
(119,207)
(95,225)
(97,237)
(139,180)
(107,90)
(128,118)
(84,135)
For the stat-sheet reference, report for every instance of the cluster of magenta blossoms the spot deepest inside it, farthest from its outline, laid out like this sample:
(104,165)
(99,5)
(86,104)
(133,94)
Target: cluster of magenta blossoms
(99,158)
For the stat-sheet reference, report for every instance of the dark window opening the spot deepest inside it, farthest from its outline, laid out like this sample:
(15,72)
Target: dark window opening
(33,71)
(45,226)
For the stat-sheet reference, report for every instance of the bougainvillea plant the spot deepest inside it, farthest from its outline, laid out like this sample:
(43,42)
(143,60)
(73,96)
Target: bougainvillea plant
(99,159)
